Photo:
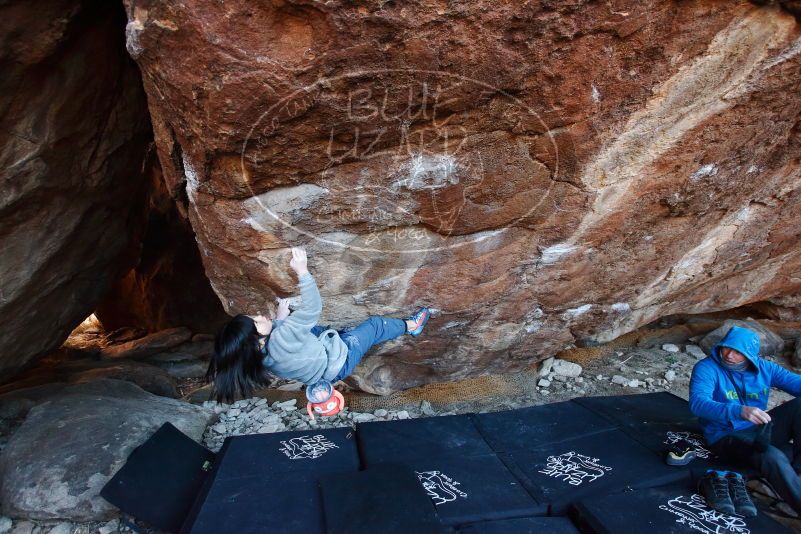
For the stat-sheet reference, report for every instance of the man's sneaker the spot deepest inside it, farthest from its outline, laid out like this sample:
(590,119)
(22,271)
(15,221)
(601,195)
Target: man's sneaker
(714,487)
(681,453)
(419,318)
(743,504)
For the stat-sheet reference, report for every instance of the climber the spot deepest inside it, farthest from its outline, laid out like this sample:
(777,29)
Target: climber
(729,393)
(294,347)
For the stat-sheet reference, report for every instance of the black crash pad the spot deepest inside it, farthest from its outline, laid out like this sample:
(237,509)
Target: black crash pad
(258,504)
(525,525)
(652,419)
(656,420)
(320,451)
(645,408)
(561,473)
(269,482)
(455,435)
(463,476)
(674,508)
(384,499)
(538,426)
(160,479)
(467,489)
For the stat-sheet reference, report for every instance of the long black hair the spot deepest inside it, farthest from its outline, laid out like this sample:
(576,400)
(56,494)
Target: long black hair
(236,366)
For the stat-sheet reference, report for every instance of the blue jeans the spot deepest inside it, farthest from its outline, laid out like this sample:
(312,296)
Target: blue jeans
(360,338)
(780,464)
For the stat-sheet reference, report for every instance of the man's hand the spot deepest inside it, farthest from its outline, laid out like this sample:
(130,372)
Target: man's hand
(298,261)
(755,415)
(282,309)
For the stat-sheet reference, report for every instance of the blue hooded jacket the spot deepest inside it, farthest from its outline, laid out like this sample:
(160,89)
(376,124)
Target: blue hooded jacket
(715,393)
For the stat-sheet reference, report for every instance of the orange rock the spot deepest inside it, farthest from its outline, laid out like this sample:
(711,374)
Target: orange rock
(544,174)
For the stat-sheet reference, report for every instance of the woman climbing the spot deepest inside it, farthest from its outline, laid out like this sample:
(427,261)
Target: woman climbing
(294,347)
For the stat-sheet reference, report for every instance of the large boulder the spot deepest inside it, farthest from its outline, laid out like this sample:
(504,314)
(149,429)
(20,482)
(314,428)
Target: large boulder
(74,131)
(152,378)
(543,174)
(72,443)
(770,343)
(143,347)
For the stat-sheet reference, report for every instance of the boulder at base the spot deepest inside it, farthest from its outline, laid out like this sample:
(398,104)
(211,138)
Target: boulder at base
(69,446)
(770,344)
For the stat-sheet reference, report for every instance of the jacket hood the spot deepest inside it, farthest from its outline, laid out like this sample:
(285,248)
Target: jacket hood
(743,340)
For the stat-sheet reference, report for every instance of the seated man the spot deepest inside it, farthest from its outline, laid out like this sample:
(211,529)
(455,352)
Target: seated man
(729,393)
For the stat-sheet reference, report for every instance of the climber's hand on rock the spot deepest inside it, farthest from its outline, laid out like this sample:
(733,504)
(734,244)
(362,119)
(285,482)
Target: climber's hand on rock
(282,309)
(755,415)
(298,261)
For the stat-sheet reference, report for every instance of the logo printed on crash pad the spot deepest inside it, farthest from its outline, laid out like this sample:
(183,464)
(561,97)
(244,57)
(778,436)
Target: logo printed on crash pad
(696,440)
(574,468)
(440,487)
(306,447)
(693,512)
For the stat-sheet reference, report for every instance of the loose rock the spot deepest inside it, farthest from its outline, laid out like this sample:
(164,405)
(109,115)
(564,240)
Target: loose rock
(363,417)
(695,351)
(23,527)
(62,528)
(566,368)
(108,528)
(546,366)
(617,379)
(425,407)
(670,347)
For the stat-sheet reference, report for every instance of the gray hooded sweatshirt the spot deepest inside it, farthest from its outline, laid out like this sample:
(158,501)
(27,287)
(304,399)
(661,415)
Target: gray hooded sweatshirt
(294,353)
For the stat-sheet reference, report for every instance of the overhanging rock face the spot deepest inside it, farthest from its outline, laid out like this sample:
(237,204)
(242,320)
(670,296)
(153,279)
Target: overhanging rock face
(541,174)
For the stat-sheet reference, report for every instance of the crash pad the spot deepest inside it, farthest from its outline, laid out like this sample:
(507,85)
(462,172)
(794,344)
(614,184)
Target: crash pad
(257,504)
(160,479)
(653,419)
(385,499)
(536,426)
(454,435)
(269,482)
(674,508)
(561,473)
(319,451)
(462,475)
(525,525)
